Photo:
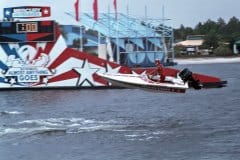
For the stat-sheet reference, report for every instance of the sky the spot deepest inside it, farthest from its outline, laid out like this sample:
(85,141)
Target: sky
(186,12)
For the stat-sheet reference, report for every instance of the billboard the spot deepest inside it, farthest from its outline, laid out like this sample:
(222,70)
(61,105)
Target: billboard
(27,31)
(27,12)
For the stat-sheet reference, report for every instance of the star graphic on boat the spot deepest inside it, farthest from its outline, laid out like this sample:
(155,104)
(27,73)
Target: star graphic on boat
(12,81)
(143,73)
(112,70)
(86,74)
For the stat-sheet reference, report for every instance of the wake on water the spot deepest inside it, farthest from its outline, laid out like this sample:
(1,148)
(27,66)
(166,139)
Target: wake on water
(10,113)
(54,126)
(63,126)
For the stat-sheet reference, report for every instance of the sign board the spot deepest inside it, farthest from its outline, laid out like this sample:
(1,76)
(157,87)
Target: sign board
(28,31)
(27,12)
(28,74)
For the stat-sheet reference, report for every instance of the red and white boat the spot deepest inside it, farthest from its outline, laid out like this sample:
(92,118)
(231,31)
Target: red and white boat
(171,84)
(179,83)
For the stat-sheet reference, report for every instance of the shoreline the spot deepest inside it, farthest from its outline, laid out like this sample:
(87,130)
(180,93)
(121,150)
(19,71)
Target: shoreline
(207,60)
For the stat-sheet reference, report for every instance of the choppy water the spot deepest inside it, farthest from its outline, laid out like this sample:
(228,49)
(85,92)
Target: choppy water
(124,124)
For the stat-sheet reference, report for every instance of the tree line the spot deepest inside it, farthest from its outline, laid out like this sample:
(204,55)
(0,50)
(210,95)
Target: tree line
(218,34)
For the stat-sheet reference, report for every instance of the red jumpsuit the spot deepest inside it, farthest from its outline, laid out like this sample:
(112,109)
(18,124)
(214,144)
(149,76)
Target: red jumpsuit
(159,71)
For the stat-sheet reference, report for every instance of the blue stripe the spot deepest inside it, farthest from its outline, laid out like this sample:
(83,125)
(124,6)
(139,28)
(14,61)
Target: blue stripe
(19,37)
(9,51)
(2,80)
(3,66)
(6,24)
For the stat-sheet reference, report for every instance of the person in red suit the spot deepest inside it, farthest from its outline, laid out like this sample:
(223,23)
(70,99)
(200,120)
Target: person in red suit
(158,73)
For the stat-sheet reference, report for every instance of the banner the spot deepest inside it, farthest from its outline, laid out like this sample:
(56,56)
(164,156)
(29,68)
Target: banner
(115,7)
(76,6)
(27,12)
(95,10)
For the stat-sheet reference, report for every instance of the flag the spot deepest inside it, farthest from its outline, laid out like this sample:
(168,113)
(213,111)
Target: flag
(76,6)
(95,9)
(115,7)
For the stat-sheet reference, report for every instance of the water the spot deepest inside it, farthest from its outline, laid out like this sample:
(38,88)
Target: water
(124,124)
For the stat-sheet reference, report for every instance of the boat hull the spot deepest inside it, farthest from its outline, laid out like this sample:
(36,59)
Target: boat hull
(142,82)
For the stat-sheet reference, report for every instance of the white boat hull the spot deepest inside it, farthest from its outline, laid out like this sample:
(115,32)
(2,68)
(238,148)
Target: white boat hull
(143,82)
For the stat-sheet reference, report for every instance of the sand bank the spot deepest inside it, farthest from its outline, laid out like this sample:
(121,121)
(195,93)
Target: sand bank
(207,60)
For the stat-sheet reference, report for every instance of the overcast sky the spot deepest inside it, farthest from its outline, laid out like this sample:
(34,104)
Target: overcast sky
(186,12)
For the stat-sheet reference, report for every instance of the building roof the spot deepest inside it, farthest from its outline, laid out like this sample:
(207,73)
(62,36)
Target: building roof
(189,43)
(127,27)
(124,26)
(195,37)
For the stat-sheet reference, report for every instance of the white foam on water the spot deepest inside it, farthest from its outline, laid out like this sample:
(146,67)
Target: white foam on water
(132,135)
(146,135)
(7,131)
(101,127)
(149,138)
(161,132)
(55,122)
(11,112)
(68,125)
(61,126)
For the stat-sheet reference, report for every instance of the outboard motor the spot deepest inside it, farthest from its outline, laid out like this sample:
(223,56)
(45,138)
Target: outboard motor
(186,76)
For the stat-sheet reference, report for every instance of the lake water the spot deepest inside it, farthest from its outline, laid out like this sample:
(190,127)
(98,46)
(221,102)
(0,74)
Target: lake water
(124,124)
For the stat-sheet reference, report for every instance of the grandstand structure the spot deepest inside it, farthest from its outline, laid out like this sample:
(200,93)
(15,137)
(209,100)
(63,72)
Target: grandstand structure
(130,41)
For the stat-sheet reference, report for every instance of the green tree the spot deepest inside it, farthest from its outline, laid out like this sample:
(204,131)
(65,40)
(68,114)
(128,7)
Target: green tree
(222,50)
(211,40)
(216,33)
(183,32)
(233,25)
